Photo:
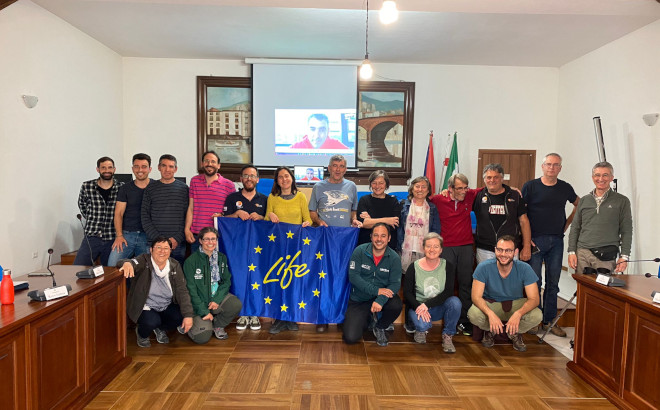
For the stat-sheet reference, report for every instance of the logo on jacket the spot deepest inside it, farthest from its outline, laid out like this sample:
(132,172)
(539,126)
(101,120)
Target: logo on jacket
(239,204)
(198,274)
(484,200)
(496,210)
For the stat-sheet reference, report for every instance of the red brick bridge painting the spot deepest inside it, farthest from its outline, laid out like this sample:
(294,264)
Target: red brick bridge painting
(377,128)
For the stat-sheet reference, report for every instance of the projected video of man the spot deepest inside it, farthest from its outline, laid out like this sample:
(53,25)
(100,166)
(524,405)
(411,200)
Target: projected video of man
(298,131)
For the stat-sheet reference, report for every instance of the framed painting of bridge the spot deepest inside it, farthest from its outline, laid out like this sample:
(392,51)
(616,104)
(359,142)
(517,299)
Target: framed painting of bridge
(224,123)
(385,129)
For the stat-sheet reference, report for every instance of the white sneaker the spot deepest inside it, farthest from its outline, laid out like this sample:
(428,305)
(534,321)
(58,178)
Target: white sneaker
(242,323)
(254,323)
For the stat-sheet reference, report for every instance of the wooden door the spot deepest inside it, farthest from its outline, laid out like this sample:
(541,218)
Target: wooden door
(518,165)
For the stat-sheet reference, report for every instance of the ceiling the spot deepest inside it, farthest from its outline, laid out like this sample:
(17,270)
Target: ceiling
(545,33)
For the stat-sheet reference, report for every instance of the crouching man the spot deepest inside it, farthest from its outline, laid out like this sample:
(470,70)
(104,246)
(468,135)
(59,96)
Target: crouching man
(375,276)
(158,299)
(497,295)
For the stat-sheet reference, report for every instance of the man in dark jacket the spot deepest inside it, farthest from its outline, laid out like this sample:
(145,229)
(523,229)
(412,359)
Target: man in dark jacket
(500,211)
(158,299)
(375,276)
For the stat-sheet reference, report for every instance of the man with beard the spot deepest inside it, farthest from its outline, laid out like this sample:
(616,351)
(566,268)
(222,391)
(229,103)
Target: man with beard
(96,202)
(247,204)
(208,192)
(497,295)
(375,276)
(164,206)
(131,239)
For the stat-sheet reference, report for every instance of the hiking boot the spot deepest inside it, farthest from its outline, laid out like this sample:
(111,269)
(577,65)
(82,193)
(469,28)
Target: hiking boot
(277,327)
(535,330)
(220,333)
(293,326)
(518,342)
(254,323)
(242,323)
(420,337)
(556,330)
(142,341)
(381,336)
(489,339)
(465,328)
(408,328)
(161,336)
(448,344)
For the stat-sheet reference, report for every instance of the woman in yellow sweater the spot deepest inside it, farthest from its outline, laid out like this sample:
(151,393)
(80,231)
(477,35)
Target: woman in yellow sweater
(285,203)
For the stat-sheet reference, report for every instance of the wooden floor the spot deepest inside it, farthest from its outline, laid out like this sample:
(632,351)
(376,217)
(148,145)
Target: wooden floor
(306,370)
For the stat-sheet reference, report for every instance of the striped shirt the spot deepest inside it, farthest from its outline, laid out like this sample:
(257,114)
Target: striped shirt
(208,199)
(164,208)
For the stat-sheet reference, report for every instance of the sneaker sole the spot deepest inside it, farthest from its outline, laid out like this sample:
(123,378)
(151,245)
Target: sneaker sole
(255,327)
(241,327)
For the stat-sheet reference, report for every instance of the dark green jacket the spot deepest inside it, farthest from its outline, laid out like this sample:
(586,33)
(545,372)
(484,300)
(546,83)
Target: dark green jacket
(197,270)
(366,278)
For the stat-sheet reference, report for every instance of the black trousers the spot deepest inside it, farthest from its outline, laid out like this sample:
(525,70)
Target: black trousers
(168,319)
(358,313)
(463,258)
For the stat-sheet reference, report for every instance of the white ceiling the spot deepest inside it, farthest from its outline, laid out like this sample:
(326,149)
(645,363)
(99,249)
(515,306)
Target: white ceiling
(545,33)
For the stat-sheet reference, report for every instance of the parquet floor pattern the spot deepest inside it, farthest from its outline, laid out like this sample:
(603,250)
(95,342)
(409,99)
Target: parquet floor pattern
(306,370)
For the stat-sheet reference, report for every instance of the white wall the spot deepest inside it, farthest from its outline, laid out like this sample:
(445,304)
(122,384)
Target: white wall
(618,82)
(46,152)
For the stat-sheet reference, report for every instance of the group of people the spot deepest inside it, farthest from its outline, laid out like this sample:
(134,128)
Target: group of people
(425,242)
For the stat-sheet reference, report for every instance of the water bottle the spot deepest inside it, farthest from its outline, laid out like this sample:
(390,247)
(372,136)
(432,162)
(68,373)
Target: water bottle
(0,273)
(7,288)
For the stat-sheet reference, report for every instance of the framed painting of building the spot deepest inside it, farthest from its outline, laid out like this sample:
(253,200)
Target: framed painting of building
(385,129)
(224,120)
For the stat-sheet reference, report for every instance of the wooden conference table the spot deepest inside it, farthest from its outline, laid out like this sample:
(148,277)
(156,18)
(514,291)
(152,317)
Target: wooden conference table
(61,353)
(617,340)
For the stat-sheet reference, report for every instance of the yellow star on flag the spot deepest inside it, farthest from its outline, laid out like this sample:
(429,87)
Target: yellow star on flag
(319,255)
(252,267)
(316,292)
(257,249)
(267,300)
(255,286)
(272,237)
(306,241)
(322,275)
(284,308)
(302,304)
(289,235)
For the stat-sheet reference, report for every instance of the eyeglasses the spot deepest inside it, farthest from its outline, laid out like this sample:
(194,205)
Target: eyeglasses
(210,161)
(606,175)
(162,248)
(505,251)
(246,176)
(461,189)
(214,239)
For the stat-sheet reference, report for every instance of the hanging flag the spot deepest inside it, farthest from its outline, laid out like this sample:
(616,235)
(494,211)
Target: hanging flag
(451,163)
(429,166)
(288,272)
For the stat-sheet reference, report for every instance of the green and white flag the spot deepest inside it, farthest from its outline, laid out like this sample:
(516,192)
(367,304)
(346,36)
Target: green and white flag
(450,164)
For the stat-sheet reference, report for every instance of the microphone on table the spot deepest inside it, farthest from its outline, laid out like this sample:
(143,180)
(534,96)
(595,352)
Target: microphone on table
(53,292)
(93,271)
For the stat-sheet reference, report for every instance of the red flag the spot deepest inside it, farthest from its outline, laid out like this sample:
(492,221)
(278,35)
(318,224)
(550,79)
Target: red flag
(429,166)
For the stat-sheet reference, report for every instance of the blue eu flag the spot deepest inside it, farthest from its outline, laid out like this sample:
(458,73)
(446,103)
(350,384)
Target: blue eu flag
(287,272)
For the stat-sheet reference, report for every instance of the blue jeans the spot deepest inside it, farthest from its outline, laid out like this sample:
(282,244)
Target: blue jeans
(551,252)
(449,312)
(100,248)
(136,244)
(194,246)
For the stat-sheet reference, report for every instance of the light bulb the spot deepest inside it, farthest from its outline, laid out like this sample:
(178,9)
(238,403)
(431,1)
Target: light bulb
(388,13)
(366,71)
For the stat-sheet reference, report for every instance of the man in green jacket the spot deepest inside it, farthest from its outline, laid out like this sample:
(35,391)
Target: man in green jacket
(375,276)
(602,226)
(208,279)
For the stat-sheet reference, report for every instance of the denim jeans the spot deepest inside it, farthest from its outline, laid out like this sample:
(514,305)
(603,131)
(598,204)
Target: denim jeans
(136,244)
(194,246)
(551,249)
(449,312)
(100,248)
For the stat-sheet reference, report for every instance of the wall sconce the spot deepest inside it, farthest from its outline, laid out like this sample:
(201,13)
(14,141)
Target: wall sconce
(650,119)
(30,101)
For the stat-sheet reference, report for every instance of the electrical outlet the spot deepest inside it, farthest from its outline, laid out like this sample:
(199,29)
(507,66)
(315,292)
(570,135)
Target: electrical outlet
(35,255)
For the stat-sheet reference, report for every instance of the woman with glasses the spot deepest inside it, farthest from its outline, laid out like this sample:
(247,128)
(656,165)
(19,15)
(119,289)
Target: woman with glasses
(208,279)
(378,207)
(286,204)
(429,292)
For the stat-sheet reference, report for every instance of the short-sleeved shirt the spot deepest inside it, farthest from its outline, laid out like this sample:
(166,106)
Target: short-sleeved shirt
(132,195)
(208,199)
(546,206)
(334,202)
(237,201)
(509,288)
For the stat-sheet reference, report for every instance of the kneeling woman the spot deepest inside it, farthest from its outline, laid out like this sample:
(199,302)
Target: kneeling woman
(208,279)
(429,289)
